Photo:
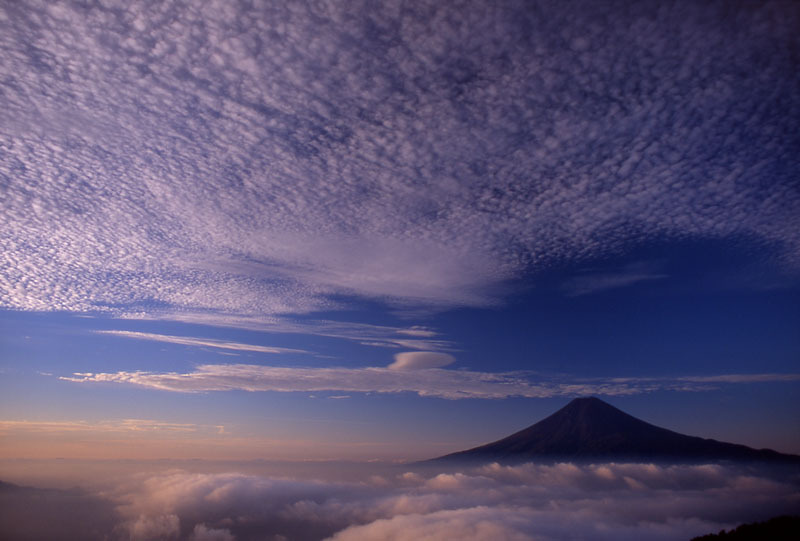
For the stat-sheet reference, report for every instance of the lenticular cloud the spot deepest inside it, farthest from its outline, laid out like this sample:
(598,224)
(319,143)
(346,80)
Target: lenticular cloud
(416,360)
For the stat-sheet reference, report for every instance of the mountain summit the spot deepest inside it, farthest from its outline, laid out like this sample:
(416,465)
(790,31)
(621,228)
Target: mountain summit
(590,429)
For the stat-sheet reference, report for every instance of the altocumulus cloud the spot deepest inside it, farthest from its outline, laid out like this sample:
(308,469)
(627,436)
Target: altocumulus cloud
(526,502)
(234,162)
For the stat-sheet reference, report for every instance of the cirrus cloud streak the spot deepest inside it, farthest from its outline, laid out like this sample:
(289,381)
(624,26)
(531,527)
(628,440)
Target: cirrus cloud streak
(200,342)
(432,382)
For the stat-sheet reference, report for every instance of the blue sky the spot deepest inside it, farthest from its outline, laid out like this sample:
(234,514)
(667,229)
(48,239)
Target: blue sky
(394,230)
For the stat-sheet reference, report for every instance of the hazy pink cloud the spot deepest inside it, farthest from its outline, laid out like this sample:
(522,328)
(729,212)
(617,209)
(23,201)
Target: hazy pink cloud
(416,360)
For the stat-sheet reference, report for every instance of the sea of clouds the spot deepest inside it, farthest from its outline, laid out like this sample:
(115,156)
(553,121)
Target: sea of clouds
(380,502)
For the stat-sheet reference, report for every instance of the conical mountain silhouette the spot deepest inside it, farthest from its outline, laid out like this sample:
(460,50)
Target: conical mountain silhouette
(589,429)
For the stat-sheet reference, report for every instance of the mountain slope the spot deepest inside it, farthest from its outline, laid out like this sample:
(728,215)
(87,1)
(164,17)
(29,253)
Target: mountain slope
(588,429)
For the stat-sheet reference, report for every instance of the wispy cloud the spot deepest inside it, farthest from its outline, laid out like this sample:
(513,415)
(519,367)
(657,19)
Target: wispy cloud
(451,384)
(364,333)
(120,426)
(717,378)
(595,282)
(177,159)
(200,342)
(419,332)
(742,378)
(424,381)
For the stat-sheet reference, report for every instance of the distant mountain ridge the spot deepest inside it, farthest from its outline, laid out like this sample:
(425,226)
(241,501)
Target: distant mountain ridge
(589,429)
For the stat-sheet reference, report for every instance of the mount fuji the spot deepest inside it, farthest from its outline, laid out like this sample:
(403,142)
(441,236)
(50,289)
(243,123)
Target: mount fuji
(589,429)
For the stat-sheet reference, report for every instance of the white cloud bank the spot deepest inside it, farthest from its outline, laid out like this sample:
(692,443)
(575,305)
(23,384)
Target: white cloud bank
(474,523)
(601,502)
(435,382)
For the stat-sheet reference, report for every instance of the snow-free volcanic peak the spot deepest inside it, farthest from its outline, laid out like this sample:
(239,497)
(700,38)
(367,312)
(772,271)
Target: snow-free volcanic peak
(591,429)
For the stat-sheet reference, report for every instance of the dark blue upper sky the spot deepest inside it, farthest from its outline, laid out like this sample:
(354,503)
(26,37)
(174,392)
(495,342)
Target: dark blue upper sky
(439,211)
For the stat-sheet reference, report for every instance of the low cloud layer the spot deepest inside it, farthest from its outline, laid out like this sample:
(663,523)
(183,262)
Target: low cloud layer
(613,502)
(413,378)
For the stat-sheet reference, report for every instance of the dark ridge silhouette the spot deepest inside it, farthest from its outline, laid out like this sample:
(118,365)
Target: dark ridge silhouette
(786,528)
(44,514)
(590,429)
